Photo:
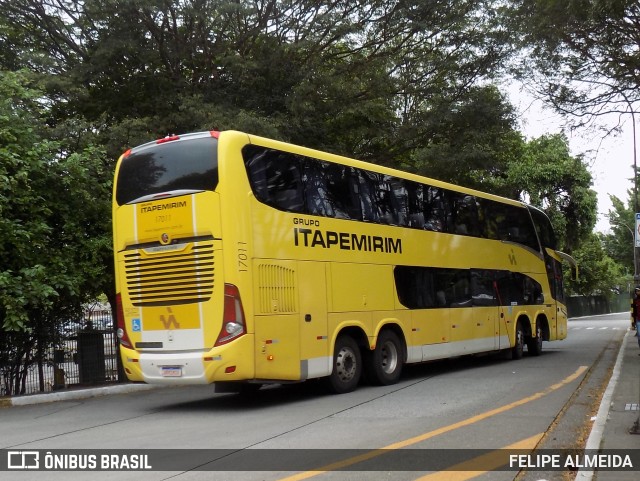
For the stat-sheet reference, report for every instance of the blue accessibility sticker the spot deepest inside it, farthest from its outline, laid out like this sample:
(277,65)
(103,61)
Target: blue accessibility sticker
(136,325)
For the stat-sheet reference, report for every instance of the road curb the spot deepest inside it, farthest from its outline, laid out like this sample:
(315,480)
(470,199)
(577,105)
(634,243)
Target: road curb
(597,429)
(74,395)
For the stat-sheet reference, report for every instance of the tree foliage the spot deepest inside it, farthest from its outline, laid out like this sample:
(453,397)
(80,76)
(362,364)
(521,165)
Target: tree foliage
(404,83)
(52,218)
(599,273)
(620,241)
(550,177)
(353,77)
(582,55)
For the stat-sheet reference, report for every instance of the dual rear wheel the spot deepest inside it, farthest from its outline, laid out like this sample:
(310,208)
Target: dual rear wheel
(382,366)
(534,343)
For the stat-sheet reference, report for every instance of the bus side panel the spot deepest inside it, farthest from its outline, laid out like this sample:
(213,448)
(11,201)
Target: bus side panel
(277,347)
(486,327)
(276,317)
(314,339)
(462,330)
(356,292)
(430,326)
(358,287)
(504,322)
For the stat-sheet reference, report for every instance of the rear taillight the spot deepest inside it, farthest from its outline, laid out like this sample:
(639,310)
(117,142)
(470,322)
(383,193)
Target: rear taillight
(123,337)
(233,324)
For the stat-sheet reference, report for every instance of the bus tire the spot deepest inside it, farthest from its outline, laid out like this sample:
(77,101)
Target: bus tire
(347,366)
(517,350)
(384,364)
(534,344)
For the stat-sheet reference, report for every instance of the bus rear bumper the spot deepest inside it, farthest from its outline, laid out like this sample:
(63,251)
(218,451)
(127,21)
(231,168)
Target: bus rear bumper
(192,367)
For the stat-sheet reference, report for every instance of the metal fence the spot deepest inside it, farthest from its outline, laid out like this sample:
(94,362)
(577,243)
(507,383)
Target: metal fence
(79,352)
(593,305)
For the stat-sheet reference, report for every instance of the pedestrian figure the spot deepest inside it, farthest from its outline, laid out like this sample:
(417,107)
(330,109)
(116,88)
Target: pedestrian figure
(635,308)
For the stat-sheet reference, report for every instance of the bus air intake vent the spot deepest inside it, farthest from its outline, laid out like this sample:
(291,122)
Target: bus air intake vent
(276,289)
(170,278)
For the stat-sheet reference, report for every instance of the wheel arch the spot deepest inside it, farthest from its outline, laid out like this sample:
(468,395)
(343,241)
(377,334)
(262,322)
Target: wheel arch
(398,331)
(356,333)
(525,322)
(543,322)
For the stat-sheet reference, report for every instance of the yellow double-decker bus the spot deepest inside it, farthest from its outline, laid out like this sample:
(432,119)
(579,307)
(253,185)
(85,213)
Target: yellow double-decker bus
(242,261)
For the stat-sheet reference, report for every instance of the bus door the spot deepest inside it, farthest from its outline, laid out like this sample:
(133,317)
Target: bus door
(315,350)
(503,287)
(461,314)
(487,313)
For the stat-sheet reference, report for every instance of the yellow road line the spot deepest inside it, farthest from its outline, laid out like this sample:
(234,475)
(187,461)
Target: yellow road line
(436,432)
(481,464)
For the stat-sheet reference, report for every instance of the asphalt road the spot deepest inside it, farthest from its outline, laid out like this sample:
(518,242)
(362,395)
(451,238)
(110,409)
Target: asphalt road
(296,432)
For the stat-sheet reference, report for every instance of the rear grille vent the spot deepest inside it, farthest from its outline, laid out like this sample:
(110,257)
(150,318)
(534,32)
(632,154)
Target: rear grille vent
(276,289)
(170,278)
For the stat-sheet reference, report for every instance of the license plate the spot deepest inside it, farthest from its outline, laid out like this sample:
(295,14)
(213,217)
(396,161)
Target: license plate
(171,371)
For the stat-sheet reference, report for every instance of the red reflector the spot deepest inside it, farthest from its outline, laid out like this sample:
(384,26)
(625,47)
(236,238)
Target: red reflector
(168,138)
(230,369)
(215,134)
(123,336)
(126,154)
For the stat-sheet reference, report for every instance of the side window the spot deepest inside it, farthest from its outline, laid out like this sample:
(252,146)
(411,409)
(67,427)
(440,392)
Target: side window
(434,208)
(275,177)
(400,195)
(456,284)
(429,288)
(367,186)
(415,287)
(464,215)
(533,292)
(482,288)
(388,208)
(334,191)
(543,228)
(487,214)
(515,288)
(521,228)
(383,199)
(554,274)
(510,288)
(510,223)
(315,191)
(415,201)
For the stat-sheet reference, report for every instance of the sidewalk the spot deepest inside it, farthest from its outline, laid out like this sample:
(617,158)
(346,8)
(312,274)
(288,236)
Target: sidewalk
(619,412)
(74,394)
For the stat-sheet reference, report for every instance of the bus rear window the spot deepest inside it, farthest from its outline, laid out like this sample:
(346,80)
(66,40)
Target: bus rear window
(190,165)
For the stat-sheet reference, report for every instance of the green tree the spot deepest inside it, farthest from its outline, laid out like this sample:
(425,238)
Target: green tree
(581,55)
(54,228)
(351,77)
(619,243)
(599,274)
(549,177)
(474,142)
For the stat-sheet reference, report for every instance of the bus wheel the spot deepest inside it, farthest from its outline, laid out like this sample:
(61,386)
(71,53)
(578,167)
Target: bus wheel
(534,344)
(347,366)
(518,350)
(384,365)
